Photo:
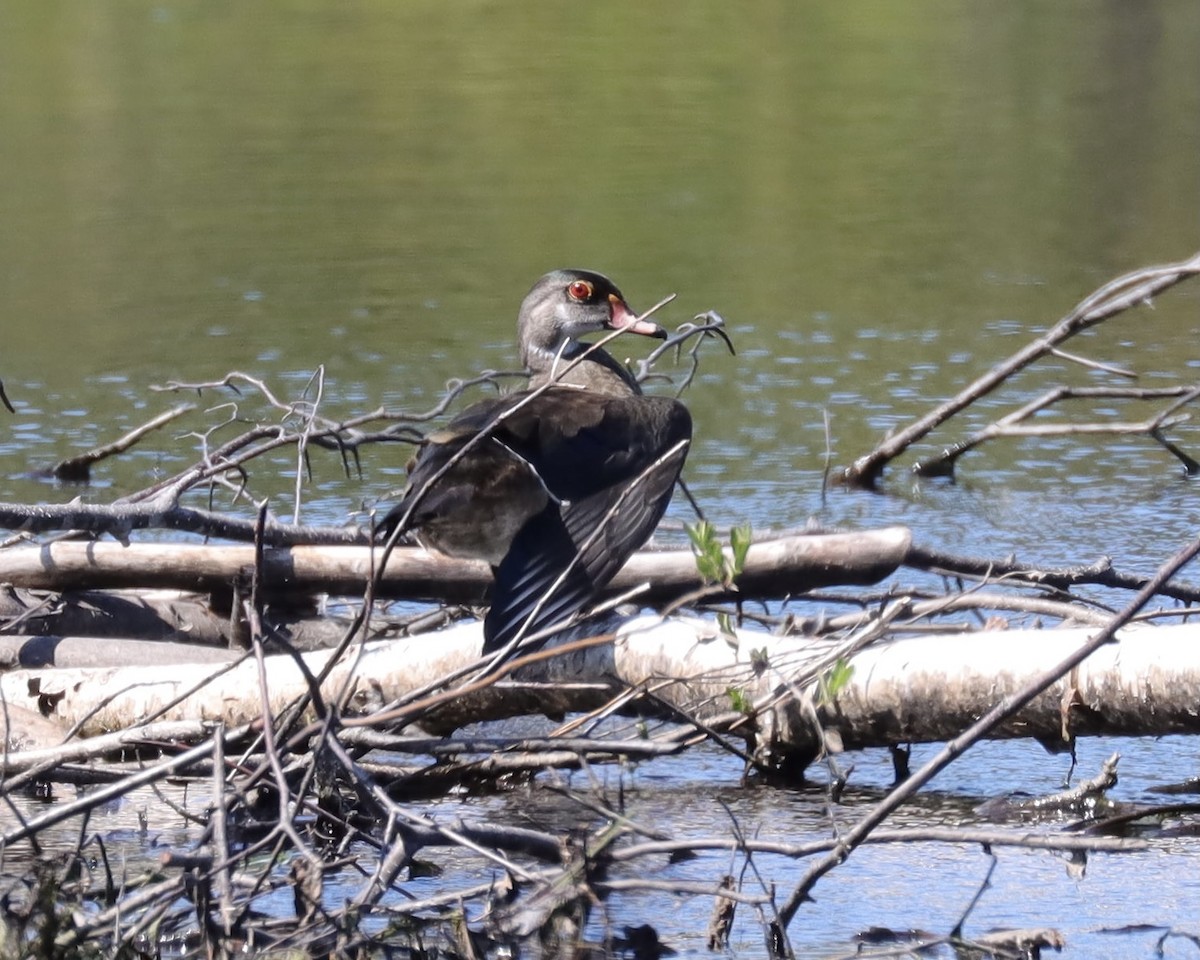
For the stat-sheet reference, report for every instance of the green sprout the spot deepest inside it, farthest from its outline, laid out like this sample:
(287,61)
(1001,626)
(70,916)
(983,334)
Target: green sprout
(738,700)
(833,681)
(712,563)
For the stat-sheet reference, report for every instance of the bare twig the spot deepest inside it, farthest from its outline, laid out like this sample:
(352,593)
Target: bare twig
(1100,573)
(1013,425)
(78,469)
(1115,297)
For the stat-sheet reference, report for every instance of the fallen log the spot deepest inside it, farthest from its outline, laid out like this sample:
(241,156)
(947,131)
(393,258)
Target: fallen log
(912,689)
(145,614)
(52,629)
(773,568)
(43,650)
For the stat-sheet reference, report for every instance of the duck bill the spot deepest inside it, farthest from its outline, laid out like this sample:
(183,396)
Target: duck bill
(623,318)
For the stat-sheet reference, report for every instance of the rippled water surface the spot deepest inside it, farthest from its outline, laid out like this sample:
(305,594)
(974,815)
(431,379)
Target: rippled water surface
(883,201)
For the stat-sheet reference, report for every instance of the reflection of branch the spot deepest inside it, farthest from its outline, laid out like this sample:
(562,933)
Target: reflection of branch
(1113,298)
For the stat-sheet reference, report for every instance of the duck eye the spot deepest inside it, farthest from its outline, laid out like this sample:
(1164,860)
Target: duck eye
(580,290)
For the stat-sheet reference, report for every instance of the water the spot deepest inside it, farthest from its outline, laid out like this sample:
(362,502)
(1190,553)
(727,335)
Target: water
(882,200)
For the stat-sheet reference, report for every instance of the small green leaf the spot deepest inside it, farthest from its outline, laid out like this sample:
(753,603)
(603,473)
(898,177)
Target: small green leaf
(700,533)
(712,563)
(706,547)
(738,700)
(739,541)
(833,681)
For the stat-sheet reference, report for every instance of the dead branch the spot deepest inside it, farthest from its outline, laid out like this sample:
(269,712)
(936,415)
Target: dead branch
(1013,425)
(917,688)
(1100,573)
(79,469)
(575,864)
(1027,840)
(702,326)
(235,381)
(143,615)
(85,652)
(918,613)
(998,715)
(1131,290)
(224,463)
(294,783)
(65,811)
(122,518)
(23,730)
(300,425)
(1074,799)
(162,627)
(102,745)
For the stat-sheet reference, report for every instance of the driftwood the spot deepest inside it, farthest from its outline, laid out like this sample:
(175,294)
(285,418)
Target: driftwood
(162,512)
(51,650)
(995,717)
(1016,424)
(144,614)
(781,567)
(78,469)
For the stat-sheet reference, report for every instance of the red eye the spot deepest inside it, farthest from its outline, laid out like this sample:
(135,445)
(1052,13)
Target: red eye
(580,290)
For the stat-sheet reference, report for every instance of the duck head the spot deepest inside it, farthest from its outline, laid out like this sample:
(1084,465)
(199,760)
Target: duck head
(565,305)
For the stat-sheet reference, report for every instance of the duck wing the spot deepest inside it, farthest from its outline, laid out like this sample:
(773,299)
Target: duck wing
(610,466)
(468,495)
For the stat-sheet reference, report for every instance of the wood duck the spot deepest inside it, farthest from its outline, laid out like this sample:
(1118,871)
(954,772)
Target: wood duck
(567,482)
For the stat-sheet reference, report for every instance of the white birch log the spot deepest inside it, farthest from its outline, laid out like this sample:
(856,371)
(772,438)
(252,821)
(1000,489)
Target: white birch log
(918,688)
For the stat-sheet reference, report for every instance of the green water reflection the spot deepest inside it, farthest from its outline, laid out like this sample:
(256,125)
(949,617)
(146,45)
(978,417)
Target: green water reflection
(880,198)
